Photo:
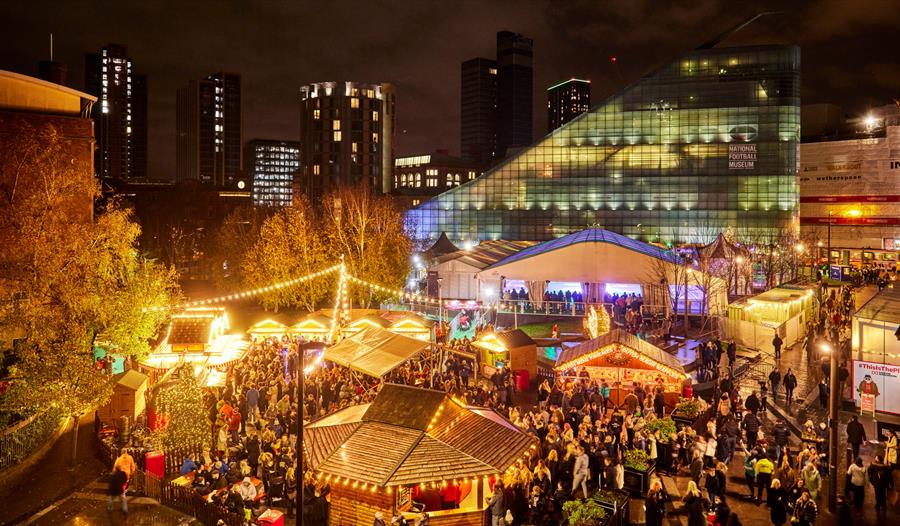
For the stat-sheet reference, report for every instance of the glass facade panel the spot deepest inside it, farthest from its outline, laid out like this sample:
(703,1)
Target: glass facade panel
(707,142)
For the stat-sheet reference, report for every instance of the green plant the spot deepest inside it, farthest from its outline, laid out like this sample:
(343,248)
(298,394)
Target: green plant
(665,426)
(636,459)
(688,407)
(584,513)
(610,497)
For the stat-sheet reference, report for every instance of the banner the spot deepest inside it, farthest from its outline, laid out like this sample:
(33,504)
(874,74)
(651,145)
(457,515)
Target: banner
(886,379)
(867,404)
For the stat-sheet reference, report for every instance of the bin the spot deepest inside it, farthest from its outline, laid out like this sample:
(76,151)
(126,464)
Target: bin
(522,380)
(155,463)
(271,518)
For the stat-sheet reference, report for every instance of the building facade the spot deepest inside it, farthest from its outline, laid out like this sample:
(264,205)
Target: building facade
(209,130)
(346,136)
(567,100)
(272,165)
(109,76)
(852,181)
(709,141)
(478,111)
(418,178)
(515,91)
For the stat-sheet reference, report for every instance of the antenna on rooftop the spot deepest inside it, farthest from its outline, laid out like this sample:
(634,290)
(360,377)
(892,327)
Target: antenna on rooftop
(51,47)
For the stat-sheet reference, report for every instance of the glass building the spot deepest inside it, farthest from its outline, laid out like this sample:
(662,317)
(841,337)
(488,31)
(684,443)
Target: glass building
(707,142)
(272,165)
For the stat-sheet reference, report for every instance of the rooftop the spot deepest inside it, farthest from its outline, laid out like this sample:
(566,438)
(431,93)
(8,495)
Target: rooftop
(884,306)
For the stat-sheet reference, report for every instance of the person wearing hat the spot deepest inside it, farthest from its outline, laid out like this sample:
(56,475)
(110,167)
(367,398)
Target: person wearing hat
(247,490)
(379,519)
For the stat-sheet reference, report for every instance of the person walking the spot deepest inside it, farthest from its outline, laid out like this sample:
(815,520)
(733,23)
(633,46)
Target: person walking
(812,480)
(881,479)
(655,504)
(749,471)
(805,510)
(856,434)
(695,505)
(713,488)
(763,470)
(751,426)
(776,344)
(580,473)
(790,383)
(777,503)
(117,484)
(775,382)
(857,482)
(125,463)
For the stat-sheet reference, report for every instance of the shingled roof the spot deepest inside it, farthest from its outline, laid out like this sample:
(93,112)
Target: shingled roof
(409,435)
(190,331)
(608,342)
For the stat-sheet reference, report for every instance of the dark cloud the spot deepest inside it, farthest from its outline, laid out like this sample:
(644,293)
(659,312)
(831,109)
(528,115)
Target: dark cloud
(848,53)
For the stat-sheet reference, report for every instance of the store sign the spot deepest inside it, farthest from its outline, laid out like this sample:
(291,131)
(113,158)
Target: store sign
(886,378)
(742,156)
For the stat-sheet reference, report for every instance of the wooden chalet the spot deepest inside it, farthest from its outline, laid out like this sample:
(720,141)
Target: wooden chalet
(404,448)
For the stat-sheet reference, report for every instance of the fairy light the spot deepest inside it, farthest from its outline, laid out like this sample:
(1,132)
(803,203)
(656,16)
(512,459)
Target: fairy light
(575,362)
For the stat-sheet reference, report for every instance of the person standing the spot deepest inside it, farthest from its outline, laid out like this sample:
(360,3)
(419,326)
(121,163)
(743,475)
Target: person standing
(812,480)
(495,504)
(252,403)
(125,463)
(856,434)
(655,504)
(805,510)
(790,383)
(713,489)
(776,344)
(890,449)
(823,393)
(763,471)
(777,504)
(882,480)
(857,483)
(117,484)
(732,354)
(775,382)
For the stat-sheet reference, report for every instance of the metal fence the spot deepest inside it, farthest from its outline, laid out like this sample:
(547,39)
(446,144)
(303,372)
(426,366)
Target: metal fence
(24,438)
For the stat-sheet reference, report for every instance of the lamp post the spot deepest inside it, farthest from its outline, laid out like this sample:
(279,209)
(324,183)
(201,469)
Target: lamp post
(298,470)
(739,260)
(833,411)
(828,250)
(798,250)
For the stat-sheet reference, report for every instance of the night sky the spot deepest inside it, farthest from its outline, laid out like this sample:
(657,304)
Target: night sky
(849,50)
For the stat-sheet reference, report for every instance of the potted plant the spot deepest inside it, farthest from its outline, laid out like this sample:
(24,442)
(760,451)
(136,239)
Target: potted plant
(638,468)
(663,429)
(686,411)
(586,512)
(616,503)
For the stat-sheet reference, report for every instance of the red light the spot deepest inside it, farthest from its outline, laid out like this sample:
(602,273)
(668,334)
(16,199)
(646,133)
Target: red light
(612,59)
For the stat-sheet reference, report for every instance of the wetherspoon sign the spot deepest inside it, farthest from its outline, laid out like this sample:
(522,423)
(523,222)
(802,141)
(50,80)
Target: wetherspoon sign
(742,156)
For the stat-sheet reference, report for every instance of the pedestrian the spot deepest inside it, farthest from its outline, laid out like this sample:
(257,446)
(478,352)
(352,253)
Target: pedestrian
(749,471)
(890,448)
(777,503)
(125,463)
(763,471)
(812,480)
(776,344)
(856,475)
(752,403)
(580,473)
(751,426)
(379,519)
(805,510)
(882,480)
(495,504)
(117,484)
(856,434)
(774,382)
(655,504)
(695,505)
(823,394)
(713,489)
(790,383)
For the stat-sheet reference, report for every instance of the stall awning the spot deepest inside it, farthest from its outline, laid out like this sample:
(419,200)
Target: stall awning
(374,351)
(503,341)
(621,341)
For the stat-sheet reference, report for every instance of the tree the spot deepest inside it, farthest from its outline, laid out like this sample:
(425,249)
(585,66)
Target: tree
(67,278)
(597,322)
(231,243)
(369,230)
(291,244)
(182,403)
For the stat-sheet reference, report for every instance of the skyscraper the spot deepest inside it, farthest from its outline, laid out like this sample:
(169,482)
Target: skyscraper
(478,115)
(272,166)
(514,91)
(209,126)
(139,127)
(567,100)
(346,136)
(109,76)
(706,142)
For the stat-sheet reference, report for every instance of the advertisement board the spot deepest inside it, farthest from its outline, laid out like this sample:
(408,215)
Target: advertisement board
(887,380)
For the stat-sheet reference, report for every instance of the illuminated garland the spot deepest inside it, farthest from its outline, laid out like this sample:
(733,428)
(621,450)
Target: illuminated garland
(340,298)
(575,362)
(394,292)
(252,292)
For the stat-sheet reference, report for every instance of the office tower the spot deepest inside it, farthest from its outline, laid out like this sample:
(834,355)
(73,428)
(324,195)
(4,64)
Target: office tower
(420,177)
(109,77)
(209,126)
(272,165)
(567,100)
(707,142)
(139,127)
(514,91)
(478,115)
(346,136)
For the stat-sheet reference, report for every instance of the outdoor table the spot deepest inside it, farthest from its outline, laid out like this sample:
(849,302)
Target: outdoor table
(185,480)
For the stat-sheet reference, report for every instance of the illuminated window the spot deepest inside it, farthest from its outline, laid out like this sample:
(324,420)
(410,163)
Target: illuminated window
(415,202)
(337,136)
(336,124)
(316,114)
(354,102)
(471,175)
(492,71)
(370,93)
(354,146)
(418,180)
(375,116)
(315,169)
(374,137)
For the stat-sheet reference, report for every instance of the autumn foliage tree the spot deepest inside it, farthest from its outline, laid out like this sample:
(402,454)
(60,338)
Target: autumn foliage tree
(68,278)
(231,243)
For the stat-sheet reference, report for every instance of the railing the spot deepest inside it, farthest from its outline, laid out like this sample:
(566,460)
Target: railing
(24,438)
(189,502)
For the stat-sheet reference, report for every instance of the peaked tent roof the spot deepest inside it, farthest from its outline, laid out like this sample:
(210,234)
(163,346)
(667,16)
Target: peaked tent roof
(442,246)
(721,248)
(618,336)
(374,351)
(592,235)
(410,435)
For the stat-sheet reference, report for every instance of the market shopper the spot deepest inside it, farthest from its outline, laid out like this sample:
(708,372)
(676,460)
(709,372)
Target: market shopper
(882,480)
(790,383)
(117,484)
(856,482)
(856,435)
(777,501)
(763,470)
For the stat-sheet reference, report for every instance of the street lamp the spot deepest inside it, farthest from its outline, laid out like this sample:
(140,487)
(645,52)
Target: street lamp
(298,470)
(828,250)
(739,260)
(833,411)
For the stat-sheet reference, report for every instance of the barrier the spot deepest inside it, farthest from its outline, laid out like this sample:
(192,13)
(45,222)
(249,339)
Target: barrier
(24,438)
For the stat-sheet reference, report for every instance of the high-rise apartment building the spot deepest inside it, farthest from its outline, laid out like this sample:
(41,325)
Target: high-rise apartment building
(706,142)
(109,76)
(515,89)
(209,126)
(567,100)
(346,136)
(272,166)
(478,115)
(139,126)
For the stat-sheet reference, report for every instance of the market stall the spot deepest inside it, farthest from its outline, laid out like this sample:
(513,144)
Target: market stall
(622,359)
(405,450)
(753,322)
(312,328)
(267,328)
(513,349)
(374,351)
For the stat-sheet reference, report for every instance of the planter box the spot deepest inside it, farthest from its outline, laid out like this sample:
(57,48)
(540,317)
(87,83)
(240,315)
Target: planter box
(638,482)
(663,457)
(618,511)
(683,419)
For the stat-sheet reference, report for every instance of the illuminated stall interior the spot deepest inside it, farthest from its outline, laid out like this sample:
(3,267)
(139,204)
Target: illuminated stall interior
(267,328)
(513,349)
(197,336)
(621,358)
(406,447)
(773,307)
(875,328)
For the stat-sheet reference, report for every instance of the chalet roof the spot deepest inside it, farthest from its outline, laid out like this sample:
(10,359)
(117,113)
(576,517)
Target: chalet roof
(374,351)
(608,340)
(131,379)
(190,330)
(508,339)
(410,435)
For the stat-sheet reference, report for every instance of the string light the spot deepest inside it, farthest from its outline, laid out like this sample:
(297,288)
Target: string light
(575,362)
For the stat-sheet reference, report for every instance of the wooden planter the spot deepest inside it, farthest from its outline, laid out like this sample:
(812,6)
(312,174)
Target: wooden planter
(683,419)
(618,511)
(664,456)
(638,482)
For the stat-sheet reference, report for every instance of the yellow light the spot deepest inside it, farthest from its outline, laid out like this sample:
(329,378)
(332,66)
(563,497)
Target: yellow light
(854,212)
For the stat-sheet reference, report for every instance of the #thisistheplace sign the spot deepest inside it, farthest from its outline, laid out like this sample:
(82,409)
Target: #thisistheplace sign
(742,156)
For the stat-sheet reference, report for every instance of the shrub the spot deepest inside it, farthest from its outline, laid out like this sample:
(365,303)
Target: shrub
(584,513)
(665,426)
(636,459)
(688,407)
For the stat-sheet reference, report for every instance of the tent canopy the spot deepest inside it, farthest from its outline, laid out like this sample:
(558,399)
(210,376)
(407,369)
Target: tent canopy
(631,348)
(374,351)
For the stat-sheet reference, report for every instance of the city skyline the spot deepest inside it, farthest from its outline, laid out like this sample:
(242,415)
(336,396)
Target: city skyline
(577,40)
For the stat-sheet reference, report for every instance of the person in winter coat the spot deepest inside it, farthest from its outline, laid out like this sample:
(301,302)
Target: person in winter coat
(496,505)
(805,510)
(812,480)
(695,505)
(752,403)
(857,482)
(751,427)
(777,501)
(713,488)
(856,434)
(890,448)
(882,480)
(763,469)
(248,491)
(696,467)
(655,504)
(790,383)
(781,435)
(117,483)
